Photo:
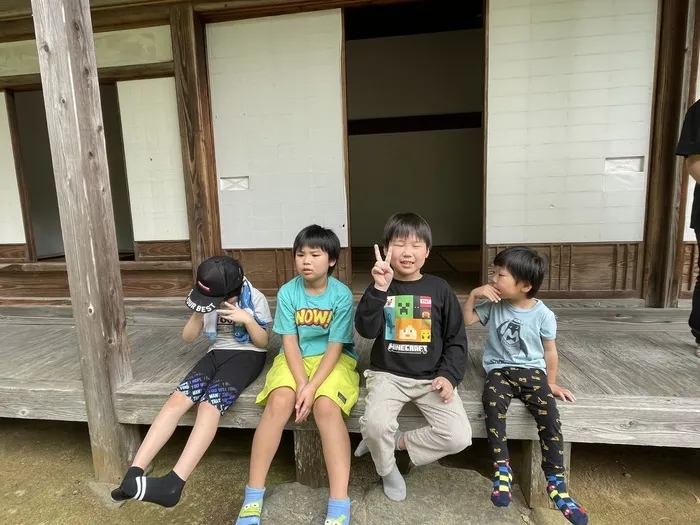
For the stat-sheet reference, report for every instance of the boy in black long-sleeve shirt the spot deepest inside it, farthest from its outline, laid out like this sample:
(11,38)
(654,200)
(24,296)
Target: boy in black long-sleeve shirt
(419,355)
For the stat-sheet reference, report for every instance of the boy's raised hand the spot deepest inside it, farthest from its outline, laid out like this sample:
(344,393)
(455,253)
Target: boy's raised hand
(234,313)
(381,271)
(488,292)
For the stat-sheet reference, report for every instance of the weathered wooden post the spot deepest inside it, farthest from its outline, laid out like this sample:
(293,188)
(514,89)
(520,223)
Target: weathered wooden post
(76,132)
(308,456)
(532,480)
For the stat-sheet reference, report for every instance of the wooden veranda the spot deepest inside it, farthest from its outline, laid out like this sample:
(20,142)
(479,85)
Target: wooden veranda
(632,370)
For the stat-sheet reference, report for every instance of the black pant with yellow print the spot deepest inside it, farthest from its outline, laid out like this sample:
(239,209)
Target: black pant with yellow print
(530,386)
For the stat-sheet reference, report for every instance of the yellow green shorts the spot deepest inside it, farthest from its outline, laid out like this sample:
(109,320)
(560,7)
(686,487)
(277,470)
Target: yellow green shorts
(342,385)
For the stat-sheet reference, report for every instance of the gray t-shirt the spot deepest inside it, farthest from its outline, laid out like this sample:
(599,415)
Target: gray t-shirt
(515,334)
(223,337)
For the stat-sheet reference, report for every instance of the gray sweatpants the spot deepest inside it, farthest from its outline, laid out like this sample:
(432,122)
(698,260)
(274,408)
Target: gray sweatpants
(448,430)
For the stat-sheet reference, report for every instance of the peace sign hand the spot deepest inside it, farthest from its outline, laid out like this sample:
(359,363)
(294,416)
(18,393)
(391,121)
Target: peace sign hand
(381,271)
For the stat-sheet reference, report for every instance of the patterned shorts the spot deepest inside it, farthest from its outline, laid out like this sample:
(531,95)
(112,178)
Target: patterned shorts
(221,375)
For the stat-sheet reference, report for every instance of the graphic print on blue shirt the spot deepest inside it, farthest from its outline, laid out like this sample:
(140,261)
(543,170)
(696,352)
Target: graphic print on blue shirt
(516,334)
(509,335)
(408,323)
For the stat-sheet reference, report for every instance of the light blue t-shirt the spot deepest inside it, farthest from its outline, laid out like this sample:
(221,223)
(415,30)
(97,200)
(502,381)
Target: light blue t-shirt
(515,334)
(316,319)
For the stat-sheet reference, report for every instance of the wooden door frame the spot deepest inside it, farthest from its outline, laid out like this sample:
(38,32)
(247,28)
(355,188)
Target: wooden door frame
(485,263)
(667,181)
(685,177)
(346,151)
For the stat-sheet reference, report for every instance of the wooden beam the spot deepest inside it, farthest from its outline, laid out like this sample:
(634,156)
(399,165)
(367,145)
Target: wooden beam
(13,30)
(237,9)
(613,419)
(663,195)
(196,132)
(79,155)
(408,124)
(106,75)
(14,9)
(19,9)
(130,17)
(14,253)
(52,400)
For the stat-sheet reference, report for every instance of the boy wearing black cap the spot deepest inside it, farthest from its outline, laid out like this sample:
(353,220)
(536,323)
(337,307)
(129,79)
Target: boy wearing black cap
(235,316)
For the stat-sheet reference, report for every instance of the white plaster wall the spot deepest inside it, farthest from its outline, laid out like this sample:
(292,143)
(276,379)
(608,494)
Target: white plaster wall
(11,224)
(434,73)
(570,85)
(153,155)
(112,48)
(278,127)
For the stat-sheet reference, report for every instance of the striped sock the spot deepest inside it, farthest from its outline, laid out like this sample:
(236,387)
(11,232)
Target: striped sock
(164,491)
(252,507)
(127,488)
(502,479)
(556,488)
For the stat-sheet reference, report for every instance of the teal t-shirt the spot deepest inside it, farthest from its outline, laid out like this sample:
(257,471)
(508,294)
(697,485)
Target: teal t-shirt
(516,334)
(316,319)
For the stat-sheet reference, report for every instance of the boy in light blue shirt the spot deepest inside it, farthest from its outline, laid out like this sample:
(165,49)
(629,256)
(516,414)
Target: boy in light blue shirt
(520,359)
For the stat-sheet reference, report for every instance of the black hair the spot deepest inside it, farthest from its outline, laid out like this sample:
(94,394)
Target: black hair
(404,225)
(325,239)
(525,265)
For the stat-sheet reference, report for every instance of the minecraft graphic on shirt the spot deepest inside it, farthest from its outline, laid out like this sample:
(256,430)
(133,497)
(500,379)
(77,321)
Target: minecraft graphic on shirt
(408,323)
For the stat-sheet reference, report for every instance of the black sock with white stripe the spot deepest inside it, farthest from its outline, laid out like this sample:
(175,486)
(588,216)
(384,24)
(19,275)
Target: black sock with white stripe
(127,489)
(164,491)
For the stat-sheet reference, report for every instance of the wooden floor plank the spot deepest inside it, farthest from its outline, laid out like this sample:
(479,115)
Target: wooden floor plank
(684,342)
(53,400)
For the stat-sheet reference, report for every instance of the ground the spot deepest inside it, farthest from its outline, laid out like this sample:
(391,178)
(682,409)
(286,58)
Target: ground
(46,467)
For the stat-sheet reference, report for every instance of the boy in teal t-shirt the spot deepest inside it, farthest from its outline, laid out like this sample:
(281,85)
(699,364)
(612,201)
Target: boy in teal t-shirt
(315,370)
(316,319)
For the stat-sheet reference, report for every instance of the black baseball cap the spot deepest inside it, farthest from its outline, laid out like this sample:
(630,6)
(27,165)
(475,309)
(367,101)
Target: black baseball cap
(217,279)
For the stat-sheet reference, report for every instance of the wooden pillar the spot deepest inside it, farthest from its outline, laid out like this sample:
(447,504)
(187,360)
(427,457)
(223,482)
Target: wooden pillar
(76,132)
(687,184)
(308,455)
(532,480)
(196,132)
(665,168)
